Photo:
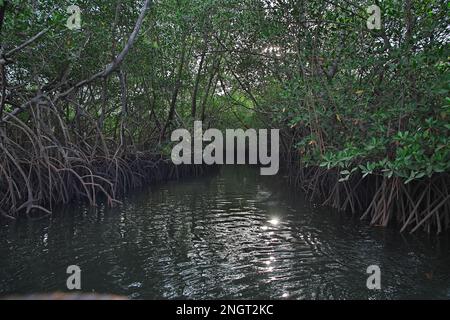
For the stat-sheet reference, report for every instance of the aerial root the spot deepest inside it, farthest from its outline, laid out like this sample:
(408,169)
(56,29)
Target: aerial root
(421,204)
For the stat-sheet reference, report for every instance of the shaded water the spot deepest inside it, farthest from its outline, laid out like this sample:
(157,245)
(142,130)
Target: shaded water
(231,235)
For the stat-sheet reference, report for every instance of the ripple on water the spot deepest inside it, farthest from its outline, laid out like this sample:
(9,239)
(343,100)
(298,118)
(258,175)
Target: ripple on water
(234,235)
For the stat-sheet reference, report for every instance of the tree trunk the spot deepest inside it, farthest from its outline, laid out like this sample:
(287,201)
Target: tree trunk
(175,91)
(197,81)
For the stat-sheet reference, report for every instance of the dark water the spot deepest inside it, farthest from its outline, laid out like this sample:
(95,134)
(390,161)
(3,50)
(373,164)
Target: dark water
(231,235)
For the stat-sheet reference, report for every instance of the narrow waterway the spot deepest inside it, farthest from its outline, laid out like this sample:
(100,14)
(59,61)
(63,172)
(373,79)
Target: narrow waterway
(234,234)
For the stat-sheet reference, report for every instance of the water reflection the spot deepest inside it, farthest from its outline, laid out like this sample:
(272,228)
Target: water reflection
(234,235)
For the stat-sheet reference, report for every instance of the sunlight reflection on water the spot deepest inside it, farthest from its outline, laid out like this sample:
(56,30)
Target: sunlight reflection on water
(233,235)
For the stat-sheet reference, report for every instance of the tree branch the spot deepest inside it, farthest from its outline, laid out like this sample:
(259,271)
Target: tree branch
(102,74)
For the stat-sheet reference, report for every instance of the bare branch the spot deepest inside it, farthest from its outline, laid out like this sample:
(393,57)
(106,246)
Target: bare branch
(26,43)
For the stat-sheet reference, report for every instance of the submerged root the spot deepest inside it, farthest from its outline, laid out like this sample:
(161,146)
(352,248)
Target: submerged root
(421,204)
(40,167)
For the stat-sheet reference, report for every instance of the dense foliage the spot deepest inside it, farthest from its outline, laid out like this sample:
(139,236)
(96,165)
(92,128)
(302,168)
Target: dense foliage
(348,98)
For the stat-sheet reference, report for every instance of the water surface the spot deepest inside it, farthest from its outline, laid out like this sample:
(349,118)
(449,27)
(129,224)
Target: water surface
(233,234)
